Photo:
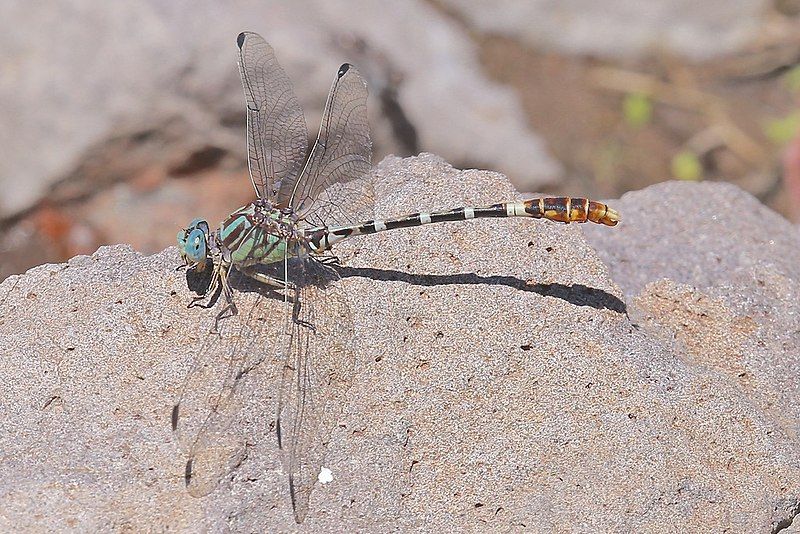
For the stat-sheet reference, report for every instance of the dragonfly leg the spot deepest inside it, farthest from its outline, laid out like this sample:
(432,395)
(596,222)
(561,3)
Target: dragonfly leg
(263,278)
(329,263)
(296,307)
(331,259)
(230,306)
(209,297)
(211,293)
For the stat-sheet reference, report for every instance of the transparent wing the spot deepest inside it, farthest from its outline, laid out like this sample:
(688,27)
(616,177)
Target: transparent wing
(311,331)
(207,415)
(317,373)
(277,138)
(334,187)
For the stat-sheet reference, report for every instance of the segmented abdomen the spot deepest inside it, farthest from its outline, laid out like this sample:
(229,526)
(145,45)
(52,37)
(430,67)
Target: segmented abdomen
(568,209)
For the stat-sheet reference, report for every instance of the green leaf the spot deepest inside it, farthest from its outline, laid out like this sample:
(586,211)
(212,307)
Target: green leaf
(686,166)
(781,131)
(637,109)
(792,79)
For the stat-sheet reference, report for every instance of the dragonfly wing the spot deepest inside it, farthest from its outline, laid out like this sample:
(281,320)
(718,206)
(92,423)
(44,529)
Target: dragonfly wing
(334,187)
(277,138)
(317,373)
(207,415)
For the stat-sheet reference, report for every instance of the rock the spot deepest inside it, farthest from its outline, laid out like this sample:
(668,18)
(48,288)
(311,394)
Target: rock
(709,266)
(697,31)
(500,379)
(88,102)
(718,235)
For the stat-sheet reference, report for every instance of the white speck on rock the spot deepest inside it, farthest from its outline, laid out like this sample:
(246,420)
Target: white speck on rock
(325,475)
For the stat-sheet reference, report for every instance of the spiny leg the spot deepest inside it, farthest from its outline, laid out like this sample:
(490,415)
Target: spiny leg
(296,307)
(327,259)
(211,292)
(283,284)
(230,308)
(264,278)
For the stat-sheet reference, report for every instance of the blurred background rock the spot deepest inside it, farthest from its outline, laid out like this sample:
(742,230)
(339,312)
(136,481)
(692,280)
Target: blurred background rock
(119,122)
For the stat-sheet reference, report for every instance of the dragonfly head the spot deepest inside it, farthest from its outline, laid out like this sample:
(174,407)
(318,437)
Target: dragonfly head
(193,244)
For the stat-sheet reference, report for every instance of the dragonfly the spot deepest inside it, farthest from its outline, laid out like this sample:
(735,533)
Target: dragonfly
(283,241)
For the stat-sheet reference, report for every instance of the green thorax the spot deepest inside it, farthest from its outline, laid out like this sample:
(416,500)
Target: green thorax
(256,234)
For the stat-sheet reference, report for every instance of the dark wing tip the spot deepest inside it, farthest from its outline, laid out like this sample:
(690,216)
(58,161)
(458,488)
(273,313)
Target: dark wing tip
(299,516)
(343,69)
(240,39)
(187,475)
(175,417)
(278,432)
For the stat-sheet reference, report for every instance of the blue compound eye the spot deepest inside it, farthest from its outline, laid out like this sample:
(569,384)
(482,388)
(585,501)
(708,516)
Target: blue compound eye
(195,246)
(192,242)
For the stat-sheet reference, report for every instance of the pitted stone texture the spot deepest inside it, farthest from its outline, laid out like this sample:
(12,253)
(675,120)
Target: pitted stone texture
(499,383)
(697,31)
(707,265)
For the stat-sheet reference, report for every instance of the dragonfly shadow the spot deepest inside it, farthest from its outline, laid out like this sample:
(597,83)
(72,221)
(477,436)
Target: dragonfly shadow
(575,294)
(199,282)
(311,273)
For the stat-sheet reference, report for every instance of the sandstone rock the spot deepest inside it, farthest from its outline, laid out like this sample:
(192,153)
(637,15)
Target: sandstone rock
(502,379)
(709,266)
(620,28)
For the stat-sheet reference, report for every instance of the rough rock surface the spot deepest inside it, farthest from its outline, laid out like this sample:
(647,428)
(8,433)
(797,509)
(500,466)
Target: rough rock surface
(711,267)
(503,379)
(696,30)
(85,98)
